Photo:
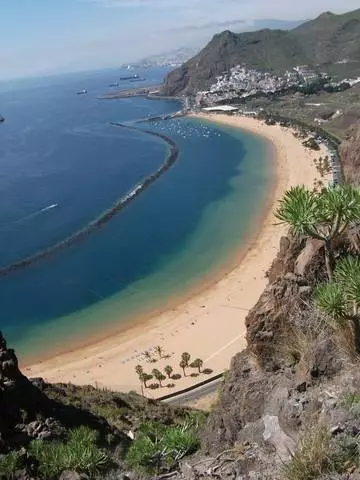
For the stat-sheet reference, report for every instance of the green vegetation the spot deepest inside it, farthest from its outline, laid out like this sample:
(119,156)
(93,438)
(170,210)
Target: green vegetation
(80,453)
(157,447)
(321,215)
(351,399)
(10,463)
(340,299)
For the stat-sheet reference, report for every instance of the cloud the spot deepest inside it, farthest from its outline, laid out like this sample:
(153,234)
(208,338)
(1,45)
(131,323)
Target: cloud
(210,25)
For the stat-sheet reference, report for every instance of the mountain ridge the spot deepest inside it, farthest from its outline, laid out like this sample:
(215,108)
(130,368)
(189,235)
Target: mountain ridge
(329,38)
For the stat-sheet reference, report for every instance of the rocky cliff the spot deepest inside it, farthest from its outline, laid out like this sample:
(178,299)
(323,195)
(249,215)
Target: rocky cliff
(294,379)
(350,155)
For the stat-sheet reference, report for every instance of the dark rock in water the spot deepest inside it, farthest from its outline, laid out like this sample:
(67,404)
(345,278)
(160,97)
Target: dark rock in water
(2,119)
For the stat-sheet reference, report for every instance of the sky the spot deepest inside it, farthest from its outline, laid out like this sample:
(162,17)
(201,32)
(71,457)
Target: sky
(57,36)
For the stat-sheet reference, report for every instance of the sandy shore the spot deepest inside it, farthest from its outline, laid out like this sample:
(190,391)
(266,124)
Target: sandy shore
(210,325)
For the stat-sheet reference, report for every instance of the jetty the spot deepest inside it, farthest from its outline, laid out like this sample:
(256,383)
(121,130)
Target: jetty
(108,214)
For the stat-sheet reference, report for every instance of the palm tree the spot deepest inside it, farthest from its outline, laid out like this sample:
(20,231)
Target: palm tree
(186,358)
(160,351)
(321,215)
(197,363)
(168,370)
(340,299)
(158,375)
(145,377)
(183,365)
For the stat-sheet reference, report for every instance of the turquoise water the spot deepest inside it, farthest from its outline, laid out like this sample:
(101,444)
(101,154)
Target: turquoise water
(58,148)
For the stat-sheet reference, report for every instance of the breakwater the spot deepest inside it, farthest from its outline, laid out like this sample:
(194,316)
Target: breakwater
(108,214)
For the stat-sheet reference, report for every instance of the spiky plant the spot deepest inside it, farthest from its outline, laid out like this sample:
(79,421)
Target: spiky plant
(340,299)
(321,215)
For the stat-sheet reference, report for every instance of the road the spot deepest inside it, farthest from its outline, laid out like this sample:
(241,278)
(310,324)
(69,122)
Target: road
(196,394)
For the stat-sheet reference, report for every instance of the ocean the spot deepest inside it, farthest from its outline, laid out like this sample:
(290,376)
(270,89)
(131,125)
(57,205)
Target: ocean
(62,164)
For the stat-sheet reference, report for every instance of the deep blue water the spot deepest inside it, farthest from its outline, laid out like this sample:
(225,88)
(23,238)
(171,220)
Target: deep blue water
(58,148)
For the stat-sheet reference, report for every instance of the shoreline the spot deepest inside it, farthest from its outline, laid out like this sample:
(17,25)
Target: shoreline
(215,311)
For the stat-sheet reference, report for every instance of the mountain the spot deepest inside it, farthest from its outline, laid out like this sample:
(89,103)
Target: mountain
(328,39)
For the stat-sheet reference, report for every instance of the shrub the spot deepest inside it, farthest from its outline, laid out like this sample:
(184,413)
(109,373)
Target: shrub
(157,447)
(9,464)
(79,453)
(311,458)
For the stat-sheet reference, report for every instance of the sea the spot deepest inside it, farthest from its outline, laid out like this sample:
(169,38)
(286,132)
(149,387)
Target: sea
(62,164)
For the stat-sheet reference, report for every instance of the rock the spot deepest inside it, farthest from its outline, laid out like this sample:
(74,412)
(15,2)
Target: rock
(72,475)
(305,291)
(307,255)
(22,475)
(274,434)
(301,387)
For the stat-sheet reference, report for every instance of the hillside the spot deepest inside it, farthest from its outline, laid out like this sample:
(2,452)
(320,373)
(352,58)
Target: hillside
(326,40)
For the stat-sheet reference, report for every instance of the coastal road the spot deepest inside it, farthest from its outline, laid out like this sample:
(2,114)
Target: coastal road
(196,394)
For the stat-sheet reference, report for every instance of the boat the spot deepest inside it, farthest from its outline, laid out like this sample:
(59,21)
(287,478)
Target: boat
(2,119)
(130,77)
(82,92)
(137,80)
(114,84)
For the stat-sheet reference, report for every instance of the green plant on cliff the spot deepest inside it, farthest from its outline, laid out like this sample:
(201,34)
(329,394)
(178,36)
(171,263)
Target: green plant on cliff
(9,464)
(157,447)
(320,215)
(340,299)
(80,453)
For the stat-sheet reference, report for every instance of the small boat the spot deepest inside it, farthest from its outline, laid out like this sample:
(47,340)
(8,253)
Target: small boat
(2,119)
(82,92)
(114,84)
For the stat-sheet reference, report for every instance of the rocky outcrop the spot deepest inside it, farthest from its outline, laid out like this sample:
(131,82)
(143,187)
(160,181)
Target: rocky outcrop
(27,412)
(350,155)
(294,371)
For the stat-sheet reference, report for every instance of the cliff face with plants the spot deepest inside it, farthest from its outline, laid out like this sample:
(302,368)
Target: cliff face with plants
(350,153)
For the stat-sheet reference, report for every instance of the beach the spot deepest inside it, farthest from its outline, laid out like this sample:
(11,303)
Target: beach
(209,324)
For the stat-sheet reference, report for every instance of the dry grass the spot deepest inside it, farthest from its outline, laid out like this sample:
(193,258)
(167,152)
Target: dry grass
(311,458)
(307,327)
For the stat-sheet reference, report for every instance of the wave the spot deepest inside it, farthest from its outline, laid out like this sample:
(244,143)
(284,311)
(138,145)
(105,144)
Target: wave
(30,216)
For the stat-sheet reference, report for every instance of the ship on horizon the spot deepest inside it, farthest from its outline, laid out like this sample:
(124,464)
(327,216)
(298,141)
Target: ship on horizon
(130,77)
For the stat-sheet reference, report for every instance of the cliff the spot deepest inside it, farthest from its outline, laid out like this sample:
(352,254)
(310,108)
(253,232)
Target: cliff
(327,39)
(350,154)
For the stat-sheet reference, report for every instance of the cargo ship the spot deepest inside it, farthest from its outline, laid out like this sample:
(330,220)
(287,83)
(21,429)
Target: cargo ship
(130,77)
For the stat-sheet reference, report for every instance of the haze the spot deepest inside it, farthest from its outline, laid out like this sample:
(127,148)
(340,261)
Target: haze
(53,36)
